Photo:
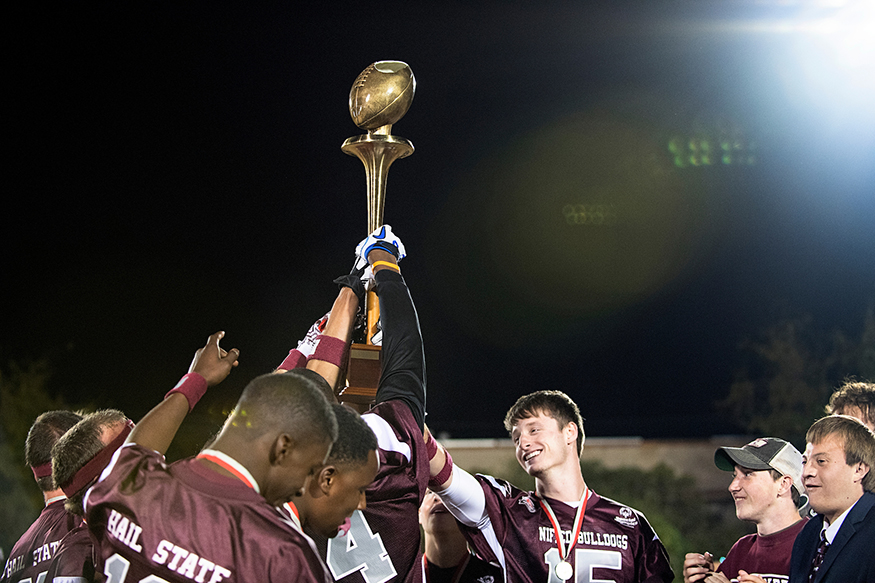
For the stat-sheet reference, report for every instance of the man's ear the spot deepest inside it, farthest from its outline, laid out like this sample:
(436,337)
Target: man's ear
(861,471)
(326,479)
(571,433)
(786,485)
(282,448)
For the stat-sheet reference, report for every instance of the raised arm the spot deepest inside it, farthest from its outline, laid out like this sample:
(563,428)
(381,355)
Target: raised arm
(325,347)
(210,366)
(402,373)
(330,364)
(458,490)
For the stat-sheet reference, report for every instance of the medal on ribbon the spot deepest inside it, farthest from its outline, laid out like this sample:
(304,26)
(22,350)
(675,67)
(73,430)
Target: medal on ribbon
(563,569)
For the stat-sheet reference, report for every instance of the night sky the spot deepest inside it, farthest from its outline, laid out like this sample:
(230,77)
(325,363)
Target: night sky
(605,197)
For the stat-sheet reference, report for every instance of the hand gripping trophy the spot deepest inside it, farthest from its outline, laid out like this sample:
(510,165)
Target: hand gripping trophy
(380,96)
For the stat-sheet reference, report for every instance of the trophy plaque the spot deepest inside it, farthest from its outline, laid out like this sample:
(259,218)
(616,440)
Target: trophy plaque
(380,96)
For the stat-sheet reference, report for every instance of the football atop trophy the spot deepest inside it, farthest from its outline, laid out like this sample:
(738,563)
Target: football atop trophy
(381,94)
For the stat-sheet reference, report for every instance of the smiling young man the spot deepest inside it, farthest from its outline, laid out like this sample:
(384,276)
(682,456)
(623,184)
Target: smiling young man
(767,489)
(561,531)
(836,545)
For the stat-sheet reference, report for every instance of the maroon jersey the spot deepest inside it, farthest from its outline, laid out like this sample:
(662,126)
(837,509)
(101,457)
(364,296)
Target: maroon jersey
(31,555)
(615,543)
(472,570)
(73,562)
(185,523)
(767,556)
(383,542)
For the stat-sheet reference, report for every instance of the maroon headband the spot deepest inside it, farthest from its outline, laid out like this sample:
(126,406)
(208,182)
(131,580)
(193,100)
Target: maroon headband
(42,471)
(97,464)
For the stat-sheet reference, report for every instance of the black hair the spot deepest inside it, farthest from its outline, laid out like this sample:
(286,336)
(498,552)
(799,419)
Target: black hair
(290,403)
(355,439)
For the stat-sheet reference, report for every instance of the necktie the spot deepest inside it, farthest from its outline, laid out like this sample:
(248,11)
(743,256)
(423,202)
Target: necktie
(818,557)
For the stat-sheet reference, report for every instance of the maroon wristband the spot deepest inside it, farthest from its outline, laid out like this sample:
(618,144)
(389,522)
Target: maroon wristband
(330,349)
(437,481)
(294,360)
(192,386)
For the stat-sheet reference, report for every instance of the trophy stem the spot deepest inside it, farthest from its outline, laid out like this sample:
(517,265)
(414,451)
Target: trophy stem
(377,152)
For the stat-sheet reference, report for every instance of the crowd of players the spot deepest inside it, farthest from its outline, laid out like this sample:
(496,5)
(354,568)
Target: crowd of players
(297,487)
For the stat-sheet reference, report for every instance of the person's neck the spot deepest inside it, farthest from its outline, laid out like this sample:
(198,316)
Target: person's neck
(565,484)
(447,553)
(301,505)
(53,494)
(777,522)
(240,453)
(833,516)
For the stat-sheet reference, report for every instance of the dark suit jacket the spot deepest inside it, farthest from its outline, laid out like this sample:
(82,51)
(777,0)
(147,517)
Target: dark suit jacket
(851,556)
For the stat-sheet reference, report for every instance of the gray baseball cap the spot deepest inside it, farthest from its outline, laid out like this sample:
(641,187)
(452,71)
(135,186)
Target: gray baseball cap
(765,453)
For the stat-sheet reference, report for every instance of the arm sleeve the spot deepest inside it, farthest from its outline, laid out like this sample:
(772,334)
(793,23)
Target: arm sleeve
(403,369)
(465,500)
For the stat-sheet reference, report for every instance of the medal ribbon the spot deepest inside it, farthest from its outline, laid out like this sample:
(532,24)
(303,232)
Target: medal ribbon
(236,468)
(578,523)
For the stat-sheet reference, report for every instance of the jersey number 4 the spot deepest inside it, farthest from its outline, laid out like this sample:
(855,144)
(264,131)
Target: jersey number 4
(585,561)
(360,550)
(116,570)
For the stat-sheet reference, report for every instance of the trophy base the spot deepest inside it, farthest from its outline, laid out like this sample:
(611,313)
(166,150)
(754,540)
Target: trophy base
(362,376)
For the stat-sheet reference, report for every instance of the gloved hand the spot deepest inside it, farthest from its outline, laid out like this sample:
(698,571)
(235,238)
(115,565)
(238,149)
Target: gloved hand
(381,238)
(360,280)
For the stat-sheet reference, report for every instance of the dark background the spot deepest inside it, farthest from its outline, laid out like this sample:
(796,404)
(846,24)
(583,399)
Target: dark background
(174,169)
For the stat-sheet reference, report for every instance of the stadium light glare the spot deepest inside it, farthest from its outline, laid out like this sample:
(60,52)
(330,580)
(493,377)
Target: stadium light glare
(835,56)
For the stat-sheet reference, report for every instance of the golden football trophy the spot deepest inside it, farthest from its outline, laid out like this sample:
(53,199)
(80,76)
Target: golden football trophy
(380,96)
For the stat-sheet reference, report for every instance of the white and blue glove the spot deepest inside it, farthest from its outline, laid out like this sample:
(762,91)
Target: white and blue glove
(382,238)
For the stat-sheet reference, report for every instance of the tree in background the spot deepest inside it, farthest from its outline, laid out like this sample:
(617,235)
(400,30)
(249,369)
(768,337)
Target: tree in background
(24,395)
(791,372)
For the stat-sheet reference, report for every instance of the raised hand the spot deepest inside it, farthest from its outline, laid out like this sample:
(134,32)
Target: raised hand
(382,238)
(212,361)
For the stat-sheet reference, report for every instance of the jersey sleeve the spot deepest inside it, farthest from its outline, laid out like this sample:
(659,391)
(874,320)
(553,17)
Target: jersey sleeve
(653,564)
(130,463)
(403,370)
(73,562)
(488,536)
(465,499)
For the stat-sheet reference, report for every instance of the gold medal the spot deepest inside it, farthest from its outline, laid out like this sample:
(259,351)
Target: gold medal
(564,570)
